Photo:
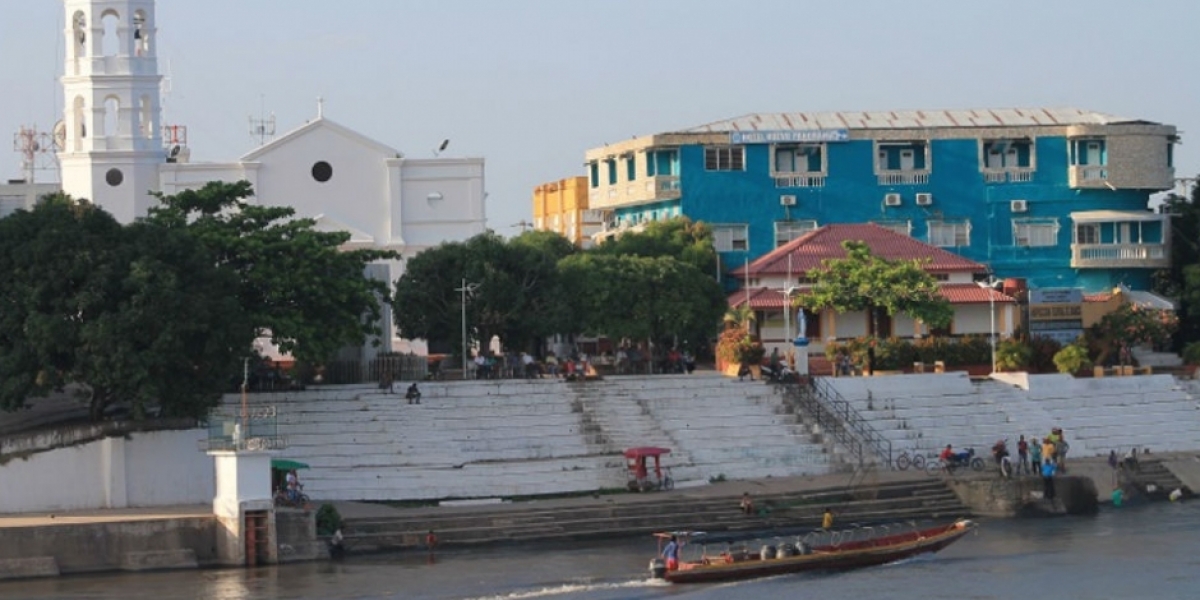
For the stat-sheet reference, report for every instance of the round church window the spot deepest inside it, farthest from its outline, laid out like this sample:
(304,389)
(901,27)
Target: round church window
(114,177)
(322,171)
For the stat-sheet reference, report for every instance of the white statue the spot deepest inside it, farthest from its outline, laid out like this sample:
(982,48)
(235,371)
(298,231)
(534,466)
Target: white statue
(801,324)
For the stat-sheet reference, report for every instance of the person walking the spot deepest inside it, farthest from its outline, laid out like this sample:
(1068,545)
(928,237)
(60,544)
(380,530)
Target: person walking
(1035,456)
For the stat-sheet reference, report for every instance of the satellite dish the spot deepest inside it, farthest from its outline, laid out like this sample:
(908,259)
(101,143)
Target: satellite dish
(60,135)
(174,151)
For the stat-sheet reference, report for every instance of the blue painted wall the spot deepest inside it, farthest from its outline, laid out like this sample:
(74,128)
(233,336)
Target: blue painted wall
(852,195)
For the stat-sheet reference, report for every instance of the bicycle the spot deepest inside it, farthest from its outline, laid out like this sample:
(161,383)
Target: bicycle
(904,461)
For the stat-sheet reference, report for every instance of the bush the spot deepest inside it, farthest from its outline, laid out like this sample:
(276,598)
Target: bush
(1043,350)
(1191,353)
(1072,359)
(1013,355)
(328,519)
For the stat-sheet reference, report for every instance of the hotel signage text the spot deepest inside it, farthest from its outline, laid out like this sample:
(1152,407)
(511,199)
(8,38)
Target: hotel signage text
(789,136)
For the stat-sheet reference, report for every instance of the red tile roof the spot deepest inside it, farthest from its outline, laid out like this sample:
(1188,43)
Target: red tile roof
(810,250)
(956,293)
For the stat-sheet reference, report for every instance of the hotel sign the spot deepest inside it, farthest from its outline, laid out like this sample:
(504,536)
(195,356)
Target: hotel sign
(1056,314)
(789,136)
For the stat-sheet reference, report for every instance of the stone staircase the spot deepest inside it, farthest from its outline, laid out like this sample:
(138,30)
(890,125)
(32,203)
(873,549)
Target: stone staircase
(632,515)
(1153,479)
(507,438)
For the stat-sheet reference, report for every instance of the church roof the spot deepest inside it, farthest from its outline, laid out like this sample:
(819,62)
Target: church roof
(810,250)
(321,123)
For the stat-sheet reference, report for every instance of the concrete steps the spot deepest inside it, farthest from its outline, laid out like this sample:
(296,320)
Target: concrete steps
(923,498)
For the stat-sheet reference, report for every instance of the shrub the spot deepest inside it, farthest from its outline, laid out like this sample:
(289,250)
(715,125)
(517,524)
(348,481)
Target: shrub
(1013,355)
(1191,353)
(328,519)
(1072,359)
(1043,350)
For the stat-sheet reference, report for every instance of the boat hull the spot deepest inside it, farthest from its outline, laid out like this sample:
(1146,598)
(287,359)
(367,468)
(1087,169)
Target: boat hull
(826,558)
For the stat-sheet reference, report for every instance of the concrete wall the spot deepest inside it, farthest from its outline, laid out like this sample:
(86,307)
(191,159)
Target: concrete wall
(130,545)
(161,468)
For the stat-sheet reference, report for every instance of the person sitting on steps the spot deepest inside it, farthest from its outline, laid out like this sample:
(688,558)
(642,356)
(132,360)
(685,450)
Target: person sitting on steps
(413,394)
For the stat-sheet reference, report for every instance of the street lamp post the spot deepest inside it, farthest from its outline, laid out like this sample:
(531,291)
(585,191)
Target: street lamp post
(989,285)
(465,289)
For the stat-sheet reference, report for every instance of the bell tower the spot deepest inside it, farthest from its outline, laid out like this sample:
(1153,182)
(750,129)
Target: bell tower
(111,143)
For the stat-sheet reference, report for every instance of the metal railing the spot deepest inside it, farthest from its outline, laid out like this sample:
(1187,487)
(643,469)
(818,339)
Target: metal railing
(836,417)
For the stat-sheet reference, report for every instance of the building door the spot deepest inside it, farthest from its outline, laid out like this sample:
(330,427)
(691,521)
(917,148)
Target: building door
(1093,155)
(995,160)
(258,538)
(907,160)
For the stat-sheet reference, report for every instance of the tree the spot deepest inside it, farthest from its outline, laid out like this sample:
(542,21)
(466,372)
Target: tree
(136,313)
(518,295)
(865,282)
(680,238)
(1182,279)
(641,298)
(294,281)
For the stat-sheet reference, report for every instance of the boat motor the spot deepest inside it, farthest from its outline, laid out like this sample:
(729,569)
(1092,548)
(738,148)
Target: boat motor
(658,568)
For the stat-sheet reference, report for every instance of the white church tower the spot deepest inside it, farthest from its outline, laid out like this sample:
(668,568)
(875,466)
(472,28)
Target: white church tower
(111,140)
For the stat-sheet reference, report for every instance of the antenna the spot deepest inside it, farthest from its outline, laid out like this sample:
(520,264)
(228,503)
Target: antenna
(523,224)
(263,127)
(37,150)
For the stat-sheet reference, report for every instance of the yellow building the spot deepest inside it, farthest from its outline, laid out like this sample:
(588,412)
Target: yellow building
(562,207)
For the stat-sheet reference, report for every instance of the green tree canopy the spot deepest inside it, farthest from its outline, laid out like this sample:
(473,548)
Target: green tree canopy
(680,238)
(1182,279)
(132,313)
(865,282)
(293,280)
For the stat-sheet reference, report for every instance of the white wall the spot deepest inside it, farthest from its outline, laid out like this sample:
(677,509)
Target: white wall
(161,468)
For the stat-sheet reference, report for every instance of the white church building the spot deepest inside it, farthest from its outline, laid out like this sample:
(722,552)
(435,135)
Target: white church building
(112,152)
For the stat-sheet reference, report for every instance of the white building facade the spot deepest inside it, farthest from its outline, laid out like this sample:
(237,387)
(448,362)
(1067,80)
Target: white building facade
(112,152)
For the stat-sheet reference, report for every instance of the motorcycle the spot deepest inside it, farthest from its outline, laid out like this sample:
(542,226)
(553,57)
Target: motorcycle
(958,460)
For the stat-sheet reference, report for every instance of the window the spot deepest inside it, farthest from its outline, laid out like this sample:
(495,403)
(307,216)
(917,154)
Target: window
(949,233)
(905,156)
(724,158)
(1170,155)
(1027,233)
(786,231)
(594,173)
(1088,152)
(730,238)
(802,158)
(630,168)
(1087,233)
(650,170)
(611,166)
(900,227)
(1008,154)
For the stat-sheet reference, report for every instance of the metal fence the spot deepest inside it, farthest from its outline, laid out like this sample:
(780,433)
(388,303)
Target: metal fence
(257,429)
(403,367)
(839,420)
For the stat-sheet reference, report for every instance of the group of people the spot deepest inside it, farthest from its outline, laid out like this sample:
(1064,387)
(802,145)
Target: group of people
(670,552)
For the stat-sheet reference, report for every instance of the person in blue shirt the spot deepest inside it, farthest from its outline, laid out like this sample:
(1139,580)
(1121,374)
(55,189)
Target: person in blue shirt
(671,554)
(1048,470)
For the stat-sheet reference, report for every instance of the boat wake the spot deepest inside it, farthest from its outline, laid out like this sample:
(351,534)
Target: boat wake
(575,588)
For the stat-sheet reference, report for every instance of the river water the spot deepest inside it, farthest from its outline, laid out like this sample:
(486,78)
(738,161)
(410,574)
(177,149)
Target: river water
(1151,551)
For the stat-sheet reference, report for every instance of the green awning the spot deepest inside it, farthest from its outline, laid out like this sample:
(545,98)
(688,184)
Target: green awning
(285,464)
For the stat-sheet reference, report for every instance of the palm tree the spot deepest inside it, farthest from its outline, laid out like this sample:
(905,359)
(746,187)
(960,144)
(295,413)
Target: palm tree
(739,317)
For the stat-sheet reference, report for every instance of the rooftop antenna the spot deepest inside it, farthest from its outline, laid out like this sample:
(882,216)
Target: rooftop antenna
(442,148)
(263,127)
(37,149)
(523,224)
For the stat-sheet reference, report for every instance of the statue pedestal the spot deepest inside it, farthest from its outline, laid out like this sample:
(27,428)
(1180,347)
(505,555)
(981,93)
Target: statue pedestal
(801,344)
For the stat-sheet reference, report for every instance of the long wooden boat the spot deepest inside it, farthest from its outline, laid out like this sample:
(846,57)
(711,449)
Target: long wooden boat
(816,551)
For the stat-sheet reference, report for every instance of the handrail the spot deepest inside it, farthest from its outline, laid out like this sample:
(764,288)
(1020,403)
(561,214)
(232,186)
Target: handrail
(835,415)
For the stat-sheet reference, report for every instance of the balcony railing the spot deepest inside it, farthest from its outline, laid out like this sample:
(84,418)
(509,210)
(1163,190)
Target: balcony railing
(903,177)
(1102,256)
(1088,175)
(1016,175)
(799,181)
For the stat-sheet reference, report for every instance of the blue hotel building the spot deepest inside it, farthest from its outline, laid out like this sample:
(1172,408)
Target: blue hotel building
(1056,196)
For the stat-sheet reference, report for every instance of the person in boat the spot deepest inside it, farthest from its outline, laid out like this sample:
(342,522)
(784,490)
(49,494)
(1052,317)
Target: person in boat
(827,519)
(670,553)
(747,504)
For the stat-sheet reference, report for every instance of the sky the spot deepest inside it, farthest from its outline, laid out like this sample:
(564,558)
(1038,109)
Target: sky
(531,85)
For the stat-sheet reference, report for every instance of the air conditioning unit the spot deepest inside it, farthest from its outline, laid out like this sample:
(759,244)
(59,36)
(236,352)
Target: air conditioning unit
(891,199)
(787,200)
(1019,206)
(924,199)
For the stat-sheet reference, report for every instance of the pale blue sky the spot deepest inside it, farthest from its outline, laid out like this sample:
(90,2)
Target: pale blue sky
(532,84)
